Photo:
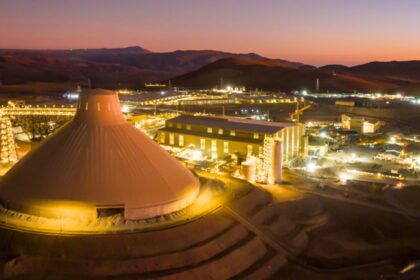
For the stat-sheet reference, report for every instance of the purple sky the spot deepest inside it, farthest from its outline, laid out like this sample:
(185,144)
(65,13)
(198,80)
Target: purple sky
(311,31)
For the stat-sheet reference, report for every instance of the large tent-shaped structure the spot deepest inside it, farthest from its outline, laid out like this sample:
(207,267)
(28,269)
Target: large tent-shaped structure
(98,164)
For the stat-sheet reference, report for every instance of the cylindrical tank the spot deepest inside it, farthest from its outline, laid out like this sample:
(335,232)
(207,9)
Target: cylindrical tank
(277,161)
(249,170)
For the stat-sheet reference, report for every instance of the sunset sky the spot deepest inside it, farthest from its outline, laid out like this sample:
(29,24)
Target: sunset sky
(311,31)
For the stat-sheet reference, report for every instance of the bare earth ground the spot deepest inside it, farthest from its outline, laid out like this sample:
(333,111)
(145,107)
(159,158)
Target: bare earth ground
(259,236)
(410,197)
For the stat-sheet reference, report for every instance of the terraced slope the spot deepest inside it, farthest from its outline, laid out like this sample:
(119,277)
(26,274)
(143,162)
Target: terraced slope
(253,237)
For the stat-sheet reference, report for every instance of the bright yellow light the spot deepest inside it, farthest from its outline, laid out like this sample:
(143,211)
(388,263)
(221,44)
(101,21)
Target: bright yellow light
(311,167)
(197,155)
(344,177)
(125,109)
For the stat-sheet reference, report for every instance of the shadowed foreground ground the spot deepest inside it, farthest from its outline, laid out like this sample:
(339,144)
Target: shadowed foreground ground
(254,237)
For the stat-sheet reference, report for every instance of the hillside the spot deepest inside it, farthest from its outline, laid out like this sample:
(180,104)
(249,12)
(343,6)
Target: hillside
(406,74)
(111,68)
(271,75)
(398,70)
(131,67)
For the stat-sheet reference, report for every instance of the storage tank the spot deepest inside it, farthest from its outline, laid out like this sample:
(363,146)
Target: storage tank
(249,169)
(277,161)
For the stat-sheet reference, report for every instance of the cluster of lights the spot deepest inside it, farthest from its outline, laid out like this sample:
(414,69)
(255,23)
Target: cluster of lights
(71,96)
(154,85)
(269,100)
(311,167)
(125,109)
(197,155)
(8,147)
(165,99)
(245,111)
(399,185)
(377,174)
(372,96)
(259,117)
(323,134)
(189,153)
(344,177)
(230,89)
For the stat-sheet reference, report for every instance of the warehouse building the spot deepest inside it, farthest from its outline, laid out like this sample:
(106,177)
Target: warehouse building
(360,124)
(218,137)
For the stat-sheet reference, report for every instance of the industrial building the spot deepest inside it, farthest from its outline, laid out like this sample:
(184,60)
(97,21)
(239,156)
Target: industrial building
(61,206)
(218,137)
(98,165)
(317,146)
(360,124)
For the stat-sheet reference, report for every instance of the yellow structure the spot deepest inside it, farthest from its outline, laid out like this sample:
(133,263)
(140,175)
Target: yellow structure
(7,140)
(98,165)
(345,103)
(317,146)
(360,124)
(7,143)
(218,137)
(16,103)
(299,110)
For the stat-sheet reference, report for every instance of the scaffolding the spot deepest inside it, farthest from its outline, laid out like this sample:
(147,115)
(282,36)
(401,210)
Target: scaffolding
(266,170)
(7,140)
(8,146)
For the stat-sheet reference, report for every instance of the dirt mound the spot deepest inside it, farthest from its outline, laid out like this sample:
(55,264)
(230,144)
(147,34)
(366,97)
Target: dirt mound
(357,234)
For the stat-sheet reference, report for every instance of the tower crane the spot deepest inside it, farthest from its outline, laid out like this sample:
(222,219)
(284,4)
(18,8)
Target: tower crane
(299,110)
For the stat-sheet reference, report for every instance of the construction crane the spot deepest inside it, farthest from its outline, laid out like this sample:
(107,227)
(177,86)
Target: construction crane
(299,110)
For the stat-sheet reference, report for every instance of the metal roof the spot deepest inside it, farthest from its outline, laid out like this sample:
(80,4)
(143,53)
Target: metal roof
(233,123)
(211,136)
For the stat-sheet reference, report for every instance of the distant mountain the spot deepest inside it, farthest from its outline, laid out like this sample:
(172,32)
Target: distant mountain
(335,67)
(181,62)
(111,68)
(269,74)
(397,70)
(131,67)
(85,54)
(18,68)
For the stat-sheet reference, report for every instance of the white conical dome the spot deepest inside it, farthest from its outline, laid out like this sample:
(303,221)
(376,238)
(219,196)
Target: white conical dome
(98,161)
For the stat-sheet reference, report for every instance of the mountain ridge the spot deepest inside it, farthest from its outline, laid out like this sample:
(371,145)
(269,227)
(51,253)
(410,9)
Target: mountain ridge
(131,67)
(256,74)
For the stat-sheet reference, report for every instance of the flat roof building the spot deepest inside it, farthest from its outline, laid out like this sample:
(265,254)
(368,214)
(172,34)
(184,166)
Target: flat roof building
(360,124)
(219,137)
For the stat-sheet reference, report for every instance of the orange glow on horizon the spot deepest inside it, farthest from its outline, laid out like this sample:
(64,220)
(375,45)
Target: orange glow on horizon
(312,32)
